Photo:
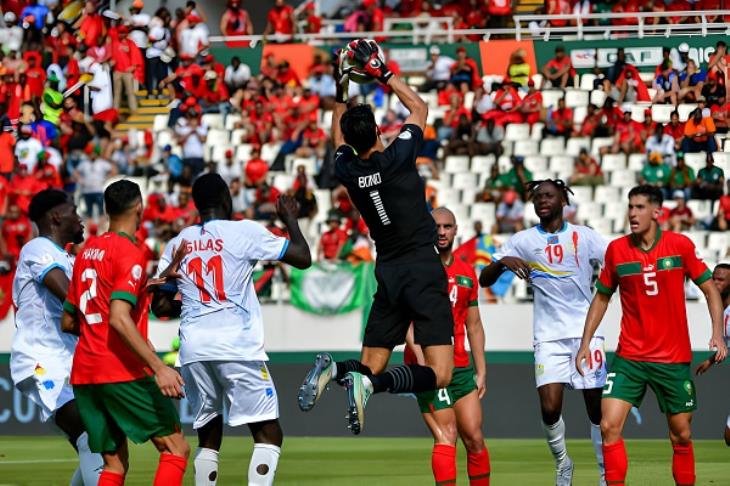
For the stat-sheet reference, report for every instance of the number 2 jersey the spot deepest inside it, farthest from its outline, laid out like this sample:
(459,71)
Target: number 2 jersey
(390,195)
(560,275)
(463,295)
(110,267)
(221,317)
(651,284)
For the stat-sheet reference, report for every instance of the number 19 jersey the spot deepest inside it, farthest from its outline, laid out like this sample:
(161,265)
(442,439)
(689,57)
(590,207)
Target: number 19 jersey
(651,285)
(221,317)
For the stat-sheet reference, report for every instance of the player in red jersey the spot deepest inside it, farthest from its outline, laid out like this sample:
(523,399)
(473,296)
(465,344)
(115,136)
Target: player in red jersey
(121,387)
(649,267)
(455,411)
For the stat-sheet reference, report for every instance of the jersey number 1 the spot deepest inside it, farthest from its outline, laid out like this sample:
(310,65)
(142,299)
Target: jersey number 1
(214,266)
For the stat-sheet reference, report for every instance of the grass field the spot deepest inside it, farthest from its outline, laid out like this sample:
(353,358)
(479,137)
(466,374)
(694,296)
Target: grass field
(46,461)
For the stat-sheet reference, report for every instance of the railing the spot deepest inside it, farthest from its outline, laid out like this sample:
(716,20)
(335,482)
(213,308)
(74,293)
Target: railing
(440,29)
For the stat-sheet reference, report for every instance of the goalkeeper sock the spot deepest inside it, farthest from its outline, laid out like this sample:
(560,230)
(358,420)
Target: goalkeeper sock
(405,379)
(344,367)
(443,463)
(478,467)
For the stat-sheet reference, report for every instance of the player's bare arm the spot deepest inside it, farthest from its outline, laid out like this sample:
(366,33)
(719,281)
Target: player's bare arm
(593,320)
(475,335)
(416,106)
(70,323)
(297,253)
(57,282)
(120,319)
(490,274)
(714,304)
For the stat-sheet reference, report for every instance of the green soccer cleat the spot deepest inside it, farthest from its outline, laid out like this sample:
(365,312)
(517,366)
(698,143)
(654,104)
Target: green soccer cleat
(358,393)
(316,381)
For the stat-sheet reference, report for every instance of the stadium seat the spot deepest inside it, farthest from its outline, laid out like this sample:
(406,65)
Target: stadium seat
(517,131)
(575,98)
(699,238)
(575,144)
(623,178)
(283,181)
(661,113)
(326,119)
(606,194)
(531,218)
(601,225)
(231,121)
(722,160)
(482,164)
(243,152)
(636,161)
(505,163)
(217,136)
(700,209)
(431,99)
(536,131)
(579,114)
(685,109)
(647,77)
(164,137)
(582,195)
(213,120)
(536,163)
(598,97)
(218,152)
(539,175)
(160,123)
(550,97)
(719,241)
(537,79)
(562,164)
(523,148)
(309,163)
(461,211)
(552,146)
(611,162)
(590,212)
(456,163)
(637,111)
(484,212)
(696,160)
(726,145)
(615,210)
(269,151)
(469,195)
(586,81)
(448,197)
(469,100)
(464,180)
(237,135)
(600,142)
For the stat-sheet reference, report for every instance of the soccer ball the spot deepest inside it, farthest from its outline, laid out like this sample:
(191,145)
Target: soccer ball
(356,70)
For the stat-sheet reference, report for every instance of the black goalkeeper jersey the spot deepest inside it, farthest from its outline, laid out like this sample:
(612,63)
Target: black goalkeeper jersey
(390,195)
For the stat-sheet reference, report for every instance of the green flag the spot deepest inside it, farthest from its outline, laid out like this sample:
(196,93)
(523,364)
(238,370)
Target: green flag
(332,288)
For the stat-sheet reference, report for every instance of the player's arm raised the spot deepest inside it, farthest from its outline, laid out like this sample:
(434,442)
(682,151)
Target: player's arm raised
(297,253)
(342,88)
(714,304)
(475,334)
(120,319)
(593,320)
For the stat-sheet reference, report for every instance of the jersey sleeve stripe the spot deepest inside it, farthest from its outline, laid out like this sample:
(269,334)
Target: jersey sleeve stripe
(126,296)
(69,307)
(43,274)
(706,275)
(283,249)
(603,289)
(474,303)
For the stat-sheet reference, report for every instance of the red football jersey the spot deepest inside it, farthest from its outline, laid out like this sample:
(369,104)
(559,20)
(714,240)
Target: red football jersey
(651,284)
(110,267)
(463,294)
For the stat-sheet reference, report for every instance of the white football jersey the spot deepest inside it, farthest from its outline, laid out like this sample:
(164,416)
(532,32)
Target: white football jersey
(221,316)
(39,346)
(560,277)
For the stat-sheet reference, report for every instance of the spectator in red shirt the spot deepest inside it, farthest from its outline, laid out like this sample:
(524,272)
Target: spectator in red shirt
(499,13)
(559,70)
(678,6)
(214,93)
(159,216)
(531,107)
(375,15)
(675,128)
(286,76)
(90,25)
(185,212)
(507,103)
(626,6)
(590,123)
(333,240)
(16,232)
(35,76)
(7,150)
(720,113)
(314,22)
(451,118)
(465,70)
(264,205)
(236,21)
(47,174)
(280,22)
(24,187)
(627,137)
(559,120)
(611,115)
(314,140)
(723,211)
(558,7)
(256,169)
(586,171)
(186,77)
(681,217)
(128,63)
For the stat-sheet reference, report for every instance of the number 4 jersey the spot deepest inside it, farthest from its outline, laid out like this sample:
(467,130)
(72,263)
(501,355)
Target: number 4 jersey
(221,316)
(651,284)
(560,275)
(111,267)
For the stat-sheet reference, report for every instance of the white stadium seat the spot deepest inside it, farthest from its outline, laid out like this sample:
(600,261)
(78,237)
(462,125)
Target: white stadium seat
(517,131)
(562,163)
(243,152)
(160,123)
(722,160)
(213,120)
(309,163)
(586,81)
(550,97)
(637,161)
(590,212)
(700,209)
(611,162)
(598,97)
(482,164)
(456,163)
(600,142)
(696,160)
(448,197)
(607,194)
(623,178)
(525,147)
(464,180)
(615,210)
(661,113)
(484,212)
(536,131)
(579,114)
(719,241)
(582,194)
(576,97)
(536,163)
(685,109)
(574,145)
(231,121)
(601,225)
(552,146)
(217,137)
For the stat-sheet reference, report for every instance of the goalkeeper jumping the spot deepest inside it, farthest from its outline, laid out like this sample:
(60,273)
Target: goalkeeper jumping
(384,185)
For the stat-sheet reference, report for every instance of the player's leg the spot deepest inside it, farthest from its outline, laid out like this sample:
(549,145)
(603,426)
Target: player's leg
(683,460)
(614,412)
(116,465)
(210,437)
(268,438)
(174,452)
(68,419)
(469,424)
(442,424)
(727,431)
(592,400)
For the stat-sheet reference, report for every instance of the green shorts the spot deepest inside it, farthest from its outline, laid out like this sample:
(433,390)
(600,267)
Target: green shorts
(135,409)
(672,384)
(463,382)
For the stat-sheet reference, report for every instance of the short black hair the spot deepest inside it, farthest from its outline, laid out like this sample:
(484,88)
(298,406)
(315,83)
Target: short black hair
(722,266)
(721,44)
(120,196)
(560,184)
(359,128)
(209,192)
(652,193)
(44,201)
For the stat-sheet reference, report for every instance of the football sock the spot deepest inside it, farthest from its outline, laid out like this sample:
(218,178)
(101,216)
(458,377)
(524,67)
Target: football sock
(206,467)
(555,435)
(344,367)
(170,470)
(598,446)
(617,463)
(264,460)
(77,479)
(90,464)
(683,464)
(108,478)
(443,463)
(478,467)
(405,378)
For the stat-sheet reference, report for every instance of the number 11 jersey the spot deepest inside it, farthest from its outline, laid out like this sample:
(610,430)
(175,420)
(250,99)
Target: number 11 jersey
(221,317)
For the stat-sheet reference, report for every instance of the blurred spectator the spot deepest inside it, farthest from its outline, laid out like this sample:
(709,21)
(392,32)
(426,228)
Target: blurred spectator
(256,169)
(465,70)
(17,230)
(710,181)
(558,7)
(675,128)
(128,64)
(625,6)
(236,21)
(46,173)
(666,84)
(303,191)
(611,115)
(264,205)
(171,163)
(229,169)
(559,121)
(492,186)
(559,70)
(27,147)
(510,214)
(242,200)
(314,140)
(699,133)
(691,81)
(286,76)
(191,136)
(517,177)
(7,151)
(500,12)
(23,187)
(723,211)
(627,135)
(90,25)
(438,73)
(333,240)
(720,112)
(280,22)
(613,73)
(159,37)
(194,36)
(680,57)
(488,138)
(656,173)
(531,106)
(313,22)
(586,171)
(452,117)
(91,175)
(682,177)
(712,91)
(237,74)
(681,217)
(591,122)
(460,141)
(322,84)
(507,103)
(663,144)
(718,63)
(11,37)
(518,69)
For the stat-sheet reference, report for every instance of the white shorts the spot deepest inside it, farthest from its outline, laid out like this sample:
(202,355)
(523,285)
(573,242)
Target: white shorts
(48,394)
(244,388)
(555,363)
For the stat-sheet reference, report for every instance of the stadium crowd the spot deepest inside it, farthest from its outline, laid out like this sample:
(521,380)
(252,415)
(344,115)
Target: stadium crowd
(267,134)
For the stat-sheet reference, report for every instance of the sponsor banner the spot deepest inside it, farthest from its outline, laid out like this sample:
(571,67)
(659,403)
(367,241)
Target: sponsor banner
(495,55)
(332,288)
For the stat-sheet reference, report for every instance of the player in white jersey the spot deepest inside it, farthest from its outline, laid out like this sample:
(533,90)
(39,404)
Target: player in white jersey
(556,258)
(221,330)
(41,354)
(721,279)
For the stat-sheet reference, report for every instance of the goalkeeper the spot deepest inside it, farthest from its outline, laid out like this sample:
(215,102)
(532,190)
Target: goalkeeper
(384,185)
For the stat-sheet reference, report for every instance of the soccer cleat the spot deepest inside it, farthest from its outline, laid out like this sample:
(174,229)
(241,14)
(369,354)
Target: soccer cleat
(358,394)
(564,475)
(316,381)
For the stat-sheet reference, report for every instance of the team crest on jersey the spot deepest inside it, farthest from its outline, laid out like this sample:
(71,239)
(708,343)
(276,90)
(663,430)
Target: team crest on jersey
(136,272)
(553,240)
(688,387)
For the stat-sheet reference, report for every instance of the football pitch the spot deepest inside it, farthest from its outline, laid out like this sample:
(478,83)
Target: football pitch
(46,461)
